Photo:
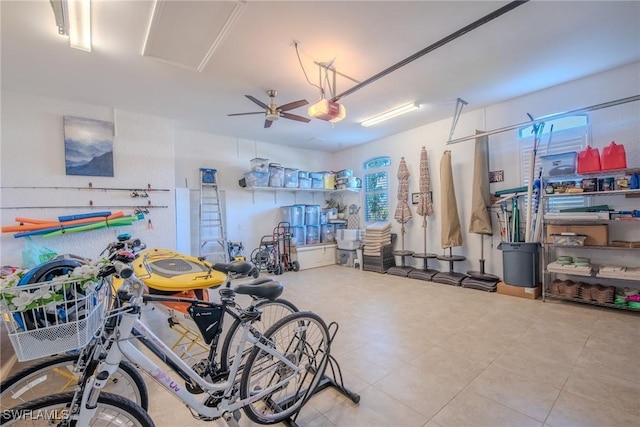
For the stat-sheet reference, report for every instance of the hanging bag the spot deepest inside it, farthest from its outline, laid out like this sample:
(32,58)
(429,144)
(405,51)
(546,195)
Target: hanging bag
(588,160)
(614,157)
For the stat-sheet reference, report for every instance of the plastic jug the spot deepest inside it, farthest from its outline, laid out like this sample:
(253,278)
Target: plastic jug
(588,160)
(614,157)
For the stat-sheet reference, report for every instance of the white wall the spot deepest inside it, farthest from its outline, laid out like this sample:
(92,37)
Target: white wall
(32,153)
(249,215)
(620,123)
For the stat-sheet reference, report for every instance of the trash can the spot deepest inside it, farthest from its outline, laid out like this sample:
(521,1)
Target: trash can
(521,263)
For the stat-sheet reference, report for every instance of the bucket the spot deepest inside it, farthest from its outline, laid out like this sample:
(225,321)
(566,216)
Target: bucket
(614,157)
(589,160)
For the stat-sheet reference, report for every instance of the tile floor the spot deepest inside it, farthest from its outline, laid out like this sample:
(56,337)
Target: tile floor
(433,355)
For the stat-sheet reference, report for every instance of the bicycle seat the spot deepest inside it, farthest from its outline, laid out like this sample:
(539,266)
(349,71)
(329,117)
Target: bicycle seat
(169,271)
(238,267)
(262,288)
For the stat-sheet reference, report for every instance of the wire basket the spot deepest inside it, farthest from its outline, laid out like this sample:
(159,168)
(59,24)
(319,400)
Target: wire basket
(47,318)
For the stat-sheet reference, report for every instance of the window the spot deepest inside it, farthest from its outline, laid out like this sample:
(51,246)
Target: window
(569,134)
(376,190)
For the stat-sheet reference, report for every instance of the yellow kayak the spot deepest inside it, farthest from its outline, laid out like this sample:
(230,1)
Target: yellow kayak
(168,271)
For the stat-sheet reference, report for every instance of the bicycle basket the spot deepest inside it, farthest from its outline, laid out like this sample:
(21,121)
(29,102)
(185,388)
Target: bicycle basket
(207,317)
(53,317)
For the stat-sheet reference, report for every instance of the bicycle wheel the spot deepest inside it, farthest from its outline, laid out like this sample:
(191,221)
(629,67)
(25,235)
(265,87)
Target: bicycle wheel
(56,375)
(303,339)
(272,311)
(54,410)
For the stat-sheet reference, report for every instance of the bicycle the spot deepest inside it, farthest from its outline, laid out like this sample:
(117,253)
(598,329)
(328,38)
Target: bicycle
(60,373)
(281,372)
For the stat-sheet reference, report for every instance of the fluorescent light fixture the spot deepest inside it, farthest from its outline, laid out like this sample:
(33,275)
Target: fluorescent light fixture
(327,110)
(73,18)
(80,24)
(390,114)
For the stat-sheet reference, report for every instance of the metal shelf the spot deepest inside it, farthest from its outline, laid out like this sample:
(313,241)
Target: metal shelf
(596,174)
(615,248)
(589,221)
(593,193)
(580,300)
(295,191)
(591,276)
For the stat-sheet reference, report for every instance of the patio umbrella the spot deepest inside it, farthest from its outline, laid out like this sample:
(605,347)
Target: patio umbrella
(403,214)
(425,205)
(480,222)
(450,234)
(425,208)
(480,197)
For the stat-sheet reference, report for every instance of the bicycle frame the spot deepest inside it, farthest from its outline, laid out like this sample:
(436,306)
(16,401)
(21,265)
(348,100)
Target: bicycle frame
(121,346)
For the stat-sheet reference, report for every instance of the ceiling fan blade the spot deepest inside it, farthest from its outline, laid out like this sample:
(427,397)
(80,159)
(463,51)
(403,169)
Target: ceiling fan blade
(295,117)
(292,105)
(267,123)
(257,101)
(245,114)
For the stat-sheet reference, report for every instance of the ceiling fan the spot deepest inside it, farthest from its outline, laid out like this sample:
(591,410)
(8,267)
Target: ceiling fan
(273,112)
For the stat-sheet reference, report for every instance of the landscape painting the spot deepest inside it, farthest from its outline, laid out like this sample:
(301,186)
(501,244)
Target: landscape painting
(88,146)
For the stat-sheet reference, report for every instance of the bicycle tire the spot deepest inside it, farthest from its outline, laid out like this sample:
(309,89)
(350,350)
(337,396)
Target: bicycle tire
(57,371)
(272,311)
(303,338)
(111,407)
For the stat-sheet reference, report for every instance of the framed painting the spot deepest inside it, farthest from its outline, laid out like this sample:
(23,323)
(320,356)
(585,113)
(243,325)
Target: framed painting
(88,146)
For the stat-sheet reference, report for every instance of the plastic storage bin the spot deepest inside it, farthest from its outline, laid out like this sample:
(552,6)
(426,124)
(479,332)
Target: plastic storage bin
(329,180)
(327,233)
(290,178)
(304,182)
(317,183)
(260,165)
(294,215)
(276,178)
(346,257)
(312,215)
(559,164)
(521,263)
(312,234)
(303,174)
(257,179)
(298,235)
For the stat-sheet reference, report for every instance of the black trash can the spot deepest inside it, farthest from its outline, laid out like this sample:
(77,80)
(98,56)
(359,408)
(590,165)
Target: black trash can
(521,263)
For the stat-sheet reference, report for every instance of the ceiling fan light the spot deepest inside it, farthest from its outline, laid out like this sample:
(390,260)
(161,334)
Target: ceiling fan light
(327,110)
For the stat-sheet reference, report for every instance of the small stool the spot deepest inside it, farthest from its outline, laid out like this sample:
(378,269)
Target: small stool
(356,263)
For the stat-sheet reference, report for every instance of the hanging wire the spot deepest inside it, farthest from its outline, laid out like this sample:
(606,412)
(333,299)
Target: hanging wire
(295,44)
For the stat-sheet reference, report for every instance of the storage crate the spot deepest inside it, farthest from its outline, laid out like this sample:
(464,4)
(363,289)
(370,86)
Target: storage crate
(276,176)
(559,164)
(257,179)
(208,176)
(260,165)
(317,183)
(290,178)
(312,215)
(304,182)
(312,235)
(350,245)
(346,257)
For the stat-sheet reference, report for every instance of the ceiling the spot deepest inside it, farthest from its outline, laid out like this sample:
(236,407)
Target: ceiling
(199,62)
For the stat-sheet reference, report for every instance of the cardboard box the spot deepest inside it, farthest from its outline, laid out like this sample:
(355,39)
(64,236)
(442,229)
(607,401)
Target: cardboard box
(519,291)
(597,235)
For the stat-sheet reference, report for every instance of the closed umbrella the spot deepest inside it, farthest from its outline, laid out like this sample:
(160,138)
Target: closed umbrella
(425,208)
(480,222)
(451,234)
(403,214)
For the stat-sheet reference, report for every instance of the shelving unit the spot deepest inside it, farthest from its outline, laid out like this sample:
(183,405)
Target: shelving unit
(295,191)
(550,250)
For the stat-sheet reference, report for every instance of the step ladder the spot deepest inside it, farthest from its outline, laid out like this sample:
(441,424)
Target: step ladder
(212,238)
